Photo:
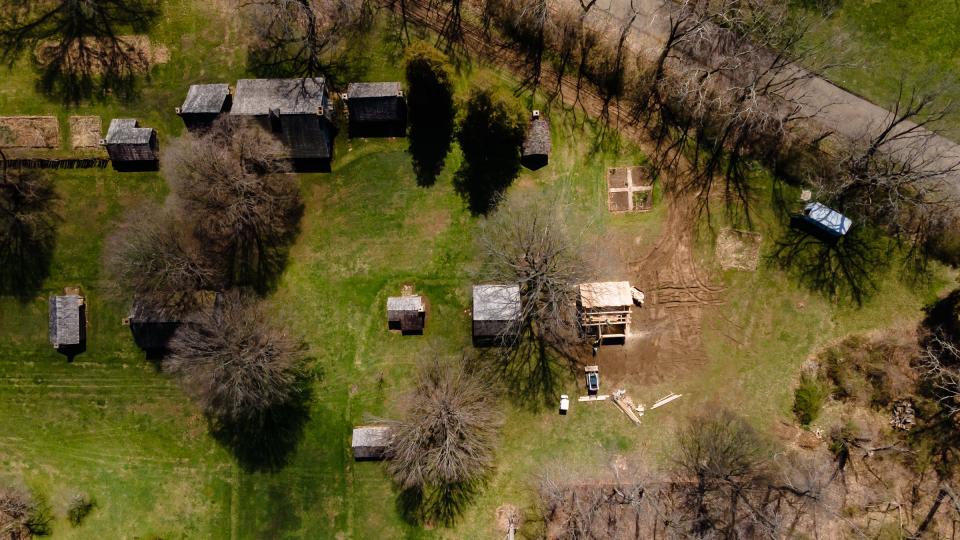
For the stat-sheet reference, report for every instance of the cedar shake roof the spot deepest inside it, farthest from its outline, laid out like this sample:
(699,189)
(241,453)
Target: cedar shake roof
(496,302)
(66,320)
(364,90)
(370,442)
(205,99)
(537,140)
(257,97)
(128,131)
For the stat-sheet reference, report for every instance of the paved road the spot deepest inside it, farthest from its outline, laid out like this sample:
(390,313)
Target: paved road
(840,111)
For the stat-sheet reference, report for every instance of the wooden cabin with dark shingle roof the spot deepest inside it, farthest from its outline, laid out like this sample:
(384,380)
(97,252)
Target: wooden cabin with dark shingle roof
(536,144)
(204,104)
(370,442)
(406,314)
(376,109)
(68,323)
(496,311)
(131,147)
(298,111)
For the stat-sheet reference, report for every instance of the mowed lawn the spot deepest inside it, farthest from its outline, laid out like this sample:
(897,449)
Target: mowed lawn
(110,425)
(882,41)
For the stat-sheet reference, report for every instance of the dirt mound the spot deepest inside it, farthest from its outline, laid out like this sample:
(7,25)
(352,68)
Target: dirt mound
(738,249)
(29,132)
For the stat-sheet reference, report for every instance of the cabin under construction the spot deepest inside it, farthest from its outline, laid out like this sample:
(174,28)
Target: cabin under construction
(604,309)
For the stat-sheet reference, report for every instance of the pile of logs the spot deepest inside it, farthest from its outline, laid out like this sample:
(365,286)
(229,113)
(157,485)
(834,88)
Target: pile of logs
(902,415)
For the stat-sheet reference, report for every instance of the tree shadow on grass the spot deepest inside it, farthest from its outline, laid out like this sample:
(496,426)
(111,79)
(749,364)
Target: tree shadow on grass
(440,505)
(25,264)
(531,370)
(841,269)
(266,441)
(260,262)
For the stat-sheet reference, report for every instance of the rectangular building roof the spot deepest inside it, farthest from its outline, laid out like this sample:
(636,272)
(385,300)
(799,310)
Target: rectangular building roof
(496,302)
(405,303)
(65,320)
(205,99)
(605,294)
(370,436)
(128,131)
(828,219)
(361,90)
(257,97)
(537,139)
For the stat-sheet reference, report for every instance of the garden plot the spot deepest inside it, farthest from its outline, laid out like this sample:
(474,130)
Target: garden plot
(85,132)
(738,249)
(628,190)
(29,132)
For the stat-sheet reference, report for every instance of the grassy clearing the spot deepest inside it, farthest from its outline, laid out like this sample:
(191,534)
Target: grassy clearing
(884,40)
(110,425)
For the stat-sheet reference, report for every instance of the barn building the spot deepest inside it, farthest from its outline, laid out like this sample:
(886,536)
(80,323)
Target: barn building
(204,104)
(496,310)
(536,144)
(406,314)
(298,111)
(370,442)
(376,109)
(604,309)
(131,147)
(68,323)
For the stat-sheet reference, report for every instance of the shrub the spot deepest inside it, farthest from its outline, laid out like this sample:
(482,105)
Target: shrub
(808,399)
(80,507)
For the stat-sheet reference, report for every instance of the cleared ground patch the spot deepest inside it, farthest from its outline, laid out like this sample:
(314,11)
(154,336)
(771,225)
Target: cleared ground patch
(85,132)
(19,132)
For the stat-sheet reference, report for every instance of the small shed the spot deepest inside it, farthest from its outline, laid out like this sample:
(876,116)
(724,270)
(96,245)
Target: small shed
(376,109)
(204,104)
(604,309)
(406,314)
(131,147)
(825,220)
(496,309)
(370,442)
(68,324)
(536,144)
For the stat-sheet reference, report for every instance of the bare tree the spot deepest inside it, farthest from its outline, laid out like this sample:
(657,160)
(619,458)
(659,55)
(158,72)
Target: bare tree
(896,176)
(21,516)
(530,243)
(78,42)
(304,38)
(449,429)
(152,258)
(233,362)
(28,220)
(229,184)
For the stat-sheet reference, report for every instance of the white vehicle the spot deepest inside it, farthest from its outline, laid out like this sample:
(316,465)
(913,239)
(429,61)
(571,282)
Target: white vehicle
(564,403)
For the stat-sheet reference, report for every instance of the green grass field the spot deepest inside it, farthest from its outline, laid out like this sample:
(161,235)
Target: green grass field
(110,425)
(885,40)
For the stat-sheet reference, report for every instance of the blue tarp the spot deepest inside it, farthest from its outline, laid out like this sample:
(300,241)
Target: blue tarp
(827,219)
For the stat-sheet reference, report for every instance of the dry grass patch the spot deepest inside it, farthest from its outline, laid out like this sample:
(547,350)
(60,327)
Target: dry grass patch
(94,56)
(738,249)
(85,132)
(29,132)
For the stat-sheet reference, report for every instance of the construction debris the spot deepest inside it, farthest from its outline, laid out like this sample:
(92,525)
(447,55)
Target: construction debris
(625,404)
(602,397)
(664,400)
(902,415)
